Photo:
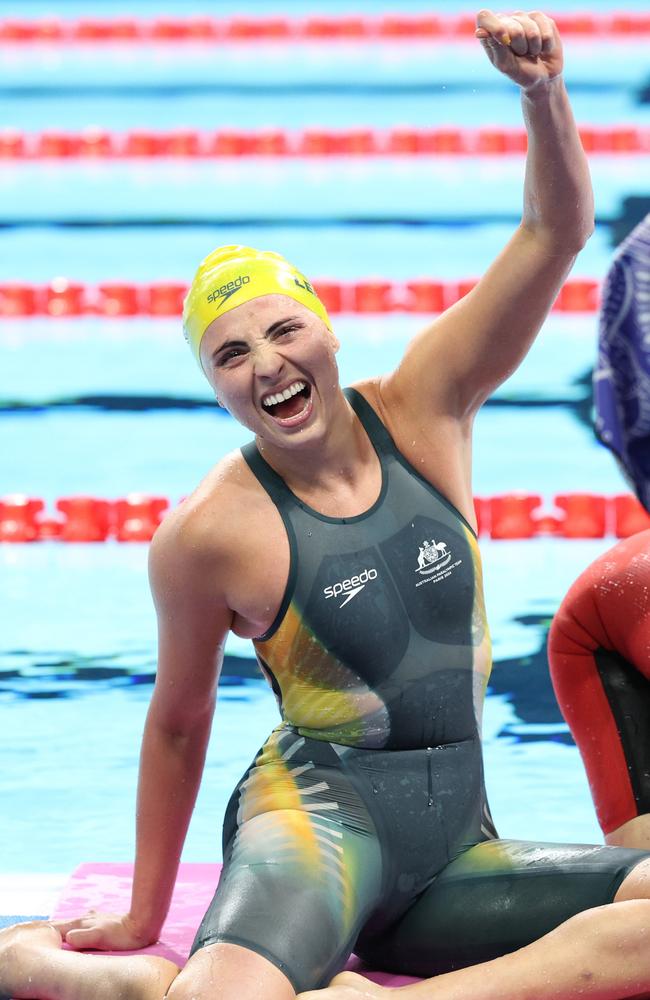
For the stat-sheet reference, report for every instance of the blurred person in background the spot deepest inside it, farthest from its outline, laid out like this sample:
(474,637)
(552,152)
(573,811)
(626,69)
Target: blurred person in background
(599,644)
(599,654)
(622,376)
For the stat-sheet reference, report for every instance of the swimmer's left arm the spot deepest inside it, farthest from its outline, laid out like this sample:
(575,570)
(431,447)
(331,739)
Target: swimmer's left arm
(458,361)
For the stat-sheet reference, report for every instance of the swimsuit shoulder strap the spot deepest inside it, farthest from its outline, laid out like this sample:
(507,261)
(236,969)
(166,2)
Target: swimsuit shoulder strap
(371,422)
(387,449)
(274,485)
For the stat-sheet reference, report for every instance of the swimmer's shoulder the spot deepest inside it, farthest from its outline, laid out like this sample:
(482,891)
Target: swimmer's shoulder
(379,392)
(439,448)
(209,519)
(373,392)
(202,539)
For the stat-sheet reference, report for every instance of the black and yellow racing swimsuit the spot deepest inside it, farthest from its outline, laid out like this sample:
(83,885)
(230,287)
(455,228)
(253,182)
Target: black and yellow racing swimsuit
(381,640)
(363,822)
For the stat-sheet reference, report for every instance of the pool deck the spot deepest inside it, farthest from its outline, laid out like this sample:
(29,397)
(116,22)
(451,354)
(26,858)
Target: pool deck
(26,895)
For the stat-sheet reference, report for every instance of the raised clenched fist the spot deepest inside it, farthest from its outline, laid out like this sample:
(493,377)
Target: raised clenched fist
(523,45)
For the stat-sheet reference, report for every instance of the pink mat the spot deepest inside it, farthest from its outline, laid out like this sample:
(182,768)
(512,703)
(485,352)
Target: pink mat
(103,886)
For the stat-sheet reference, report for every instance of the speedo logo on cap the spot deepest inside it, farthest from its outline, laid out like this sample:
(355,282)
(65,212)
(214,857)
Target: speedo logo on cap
(228,289)
(351,587)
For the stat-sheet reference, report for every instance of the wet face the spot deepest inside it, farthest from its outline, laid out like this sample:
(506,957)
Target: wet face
(272,364)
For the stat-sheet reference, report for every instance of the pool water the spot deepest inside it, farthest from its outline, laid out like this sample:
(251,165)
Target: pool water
(73,704)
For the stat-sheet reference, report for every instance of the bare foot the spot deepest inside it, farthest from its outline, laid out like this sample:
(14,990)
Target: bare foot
(34,967)
(349,986)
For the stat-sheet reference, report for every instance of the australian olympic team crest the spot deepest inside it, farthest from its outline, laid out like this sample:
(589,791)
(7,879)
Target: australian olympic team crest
(435,562)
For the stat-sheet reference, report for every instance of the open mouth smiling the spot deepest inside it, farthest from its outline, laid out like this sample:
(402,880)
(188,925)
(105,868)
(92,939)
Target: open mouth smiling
(289,403)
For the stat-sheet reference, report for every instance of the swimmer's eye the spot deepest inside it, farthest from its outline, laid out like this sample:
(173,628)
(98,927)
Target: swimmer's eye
(227,356)
(230,355)
(288,329)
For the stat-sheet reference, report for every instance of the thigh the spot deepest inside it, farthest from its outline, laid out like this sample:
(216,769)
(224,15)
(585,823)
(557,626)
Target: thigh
(302,864)
(497,897)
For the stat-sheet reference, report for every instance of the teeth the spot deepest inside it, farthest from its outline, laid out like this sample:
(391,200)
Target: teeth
(287,394)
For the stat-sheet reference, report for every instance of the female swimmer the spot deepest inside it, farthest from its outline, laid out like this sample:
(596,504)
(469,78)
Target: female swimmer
(342,542)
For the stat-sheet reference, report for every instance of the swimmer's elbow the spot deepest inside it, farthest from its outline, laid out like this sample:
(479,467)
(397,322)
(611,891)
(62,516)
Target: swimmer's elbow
(575,242)
(584,232)
(562,240)
(181,722)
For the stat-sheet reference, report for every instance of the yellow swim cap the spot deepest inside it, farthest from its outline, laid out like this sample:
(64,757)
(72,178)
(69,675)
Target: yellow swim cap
(232,275)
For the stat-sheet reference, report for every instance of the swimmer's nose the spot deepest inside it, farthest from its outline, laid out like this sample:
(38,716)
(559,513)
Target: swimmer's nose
(267,362)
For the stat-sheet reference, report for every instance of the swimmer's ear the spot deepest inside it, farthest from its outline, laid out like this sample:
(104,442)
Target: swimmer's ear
(334,340)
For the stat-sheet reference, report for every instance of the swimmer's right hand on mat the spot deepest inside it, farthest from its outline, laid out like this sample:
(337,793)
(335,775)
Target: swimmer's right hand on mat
(102,932)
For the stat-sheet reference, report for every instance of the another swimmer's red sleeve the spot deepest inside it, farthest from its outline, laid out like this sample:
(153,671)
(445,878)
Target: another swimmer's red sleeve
(607,608)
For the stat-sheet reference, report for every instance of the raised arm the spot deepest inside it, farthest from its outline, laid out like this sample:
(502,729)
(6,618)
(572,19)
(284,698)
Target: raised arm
(192,624)
(475,345)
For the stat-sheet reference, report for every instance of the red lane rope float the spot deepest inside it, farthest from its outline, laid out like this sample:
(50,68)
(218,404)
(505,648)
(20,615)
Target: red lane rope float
(63,298)
(134,518)
(100,144)
(54,30)
(81,519)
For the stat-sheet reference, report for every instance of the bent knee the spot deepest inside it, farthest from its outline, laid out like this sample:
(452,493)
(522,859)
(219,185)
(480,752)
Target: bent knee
(628,935)
(636,884)
(617,930)
(198,980)
(186,986)
(226,971)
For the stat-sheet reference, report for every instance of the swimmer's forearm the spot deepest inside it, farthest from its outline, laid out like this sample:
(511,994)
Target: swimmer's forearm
(558,196)
(170,773)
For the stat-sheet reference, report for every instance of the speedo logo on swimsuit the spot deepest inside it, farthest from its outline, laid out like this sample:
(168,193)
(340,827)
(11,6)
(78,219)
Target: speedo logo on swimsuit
(350,587)
(228,289)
